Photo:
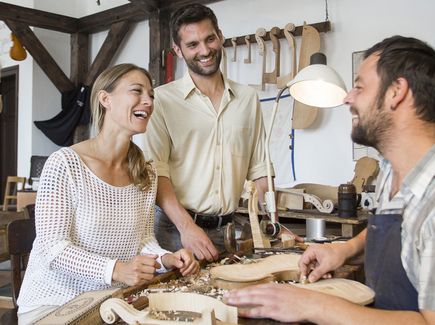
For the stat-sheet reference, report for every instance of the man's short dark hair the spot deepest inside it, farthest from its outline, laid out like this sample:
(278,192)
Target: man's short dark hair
(192,13)
(413,60)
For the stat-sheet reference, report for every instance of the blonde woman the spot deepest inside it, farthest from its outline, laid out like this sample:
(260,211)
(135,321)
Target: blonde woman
(95,205)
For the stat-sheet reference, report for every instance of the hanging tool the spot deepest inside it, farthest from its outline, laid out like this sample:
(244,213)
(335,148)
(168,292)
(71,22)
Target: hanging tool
(248,44)
(259,34)
(234,42)
(283,80)
(271,77)
(304,115)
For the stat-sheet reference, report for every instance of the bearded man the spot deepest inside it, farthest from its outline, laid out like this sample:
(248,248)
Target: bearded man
(393,110)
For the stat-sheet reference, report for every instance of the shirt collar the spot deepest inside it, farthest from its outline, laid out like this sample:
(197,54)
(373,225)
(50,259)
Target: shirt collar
(188,85)
(417,181)
(422,174)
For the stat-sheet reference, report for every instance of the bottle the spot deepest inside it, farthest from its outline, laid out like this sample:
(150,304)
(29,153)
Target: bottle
(347,201)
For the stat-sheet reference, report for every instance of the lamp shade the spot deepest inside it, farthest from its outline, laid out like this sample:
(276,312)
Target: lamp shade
(318,85)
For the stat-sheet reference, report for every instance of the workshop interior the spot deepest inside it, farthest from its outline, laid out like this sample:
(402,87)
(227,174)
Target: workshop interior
(300,57)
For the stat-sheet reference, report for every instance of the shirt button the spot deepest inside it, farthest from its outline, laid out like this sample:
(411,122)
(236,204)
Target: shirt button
(217,168)
(216,192)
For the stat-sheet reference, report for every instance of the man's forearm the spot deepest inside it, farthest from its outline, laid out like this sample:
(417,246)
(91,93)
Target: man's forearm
(356,245)
(333,310)
(167,200)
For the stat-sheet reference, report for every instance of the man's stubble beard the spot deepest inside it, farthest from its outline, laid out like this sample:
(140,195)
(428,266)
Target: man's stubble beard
(194,66)
(373,129)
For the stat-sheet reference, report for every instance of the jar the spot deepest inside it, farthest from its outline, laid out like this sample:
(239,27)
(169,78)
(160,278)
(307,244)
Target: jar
(347,201)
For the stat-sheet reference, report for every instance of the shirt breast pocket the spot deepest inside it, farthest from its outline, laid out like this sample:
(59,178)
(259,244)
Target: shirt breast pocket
(239,141)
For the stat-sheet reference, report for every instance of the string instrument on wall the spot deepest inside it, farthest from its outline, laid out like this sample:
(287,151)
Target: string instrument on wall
(17,51)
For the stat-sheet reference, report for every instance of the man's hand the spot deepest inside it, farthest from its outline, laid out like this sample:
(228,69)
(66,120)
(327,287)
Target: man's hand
(321,259)
(139,270)
(285,303)
(183,260)
(197,241)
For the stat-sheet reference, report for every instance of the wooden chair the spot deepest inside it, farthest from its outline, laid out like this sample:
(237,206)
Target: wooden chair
(36,165)
(11,190)
(29,211)
(21,234)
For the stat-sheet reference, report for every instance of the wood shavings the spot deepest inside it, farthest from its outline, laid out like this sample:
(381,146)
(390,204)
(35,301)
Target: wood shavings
(198,283)
(174,315)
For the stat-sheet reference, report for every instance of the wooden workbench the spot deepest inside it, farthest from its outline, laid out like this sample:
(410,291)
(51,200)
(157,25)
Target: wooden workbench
(350,227)
(75,310)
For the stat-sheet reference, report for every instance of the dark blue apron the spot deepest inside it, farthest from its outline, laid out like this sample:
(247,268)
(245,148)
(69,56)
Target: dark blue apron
(383,266)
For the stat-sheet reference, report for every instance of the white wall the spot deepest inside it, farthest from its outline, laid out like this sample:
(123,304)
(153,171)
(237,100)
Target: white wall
(46,97)
(323,153)
(77,8)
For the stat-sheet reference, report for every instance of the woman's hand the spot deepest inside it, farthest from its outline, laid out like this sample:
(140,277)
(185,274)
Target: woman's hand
(139,270)
(182,260)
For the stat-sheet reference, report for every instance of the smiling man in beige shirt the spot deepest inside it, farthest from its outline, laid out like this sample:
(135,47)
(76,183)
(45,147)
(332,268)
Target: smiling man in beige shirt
(206,138)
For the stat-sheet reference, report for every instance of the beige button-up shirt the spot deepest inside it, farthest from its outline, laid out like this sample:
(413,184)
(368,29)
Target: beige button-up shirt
(207,154)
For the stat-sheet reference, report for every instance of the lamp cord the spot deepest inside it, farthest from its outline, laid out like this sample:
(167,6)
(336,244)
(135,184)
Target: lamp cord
(326,11)
(269,99)
(292,135)
(292,152)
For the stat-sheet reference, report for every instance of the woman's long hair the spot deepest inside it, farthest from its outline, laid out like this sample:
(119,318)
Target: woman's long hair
(139,169)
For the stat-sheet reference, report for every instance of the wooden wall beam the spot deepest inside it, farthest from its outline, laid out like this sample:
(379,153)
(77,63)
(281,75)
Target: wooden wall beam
(104,19)
(38,18)
(160,39)
(79,57)
(146,5)
(40,55)
(108,49)
(171,5)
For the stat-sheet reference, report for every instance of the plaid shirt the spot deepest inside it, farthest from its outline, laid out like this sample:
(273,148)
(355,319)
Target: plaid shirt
(415,201)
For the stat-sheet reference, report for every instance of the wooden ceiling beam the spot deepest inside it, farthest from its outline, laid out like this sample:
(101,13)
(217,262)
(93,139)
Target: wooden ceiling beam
(38,18)
(107,51)
(172,5)
(40,55)
(148,6)
(104,19)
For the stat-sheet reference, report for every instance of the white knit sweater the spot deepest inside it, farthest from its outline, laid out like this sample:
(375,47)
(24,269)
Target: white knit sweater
(83,225)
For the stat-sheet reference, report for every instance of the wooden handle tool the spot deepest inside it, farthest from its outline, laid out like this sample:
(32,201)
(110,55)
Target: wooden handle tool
(248,44)
(234,42)
(271,77)
(283,80)
(259,34)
